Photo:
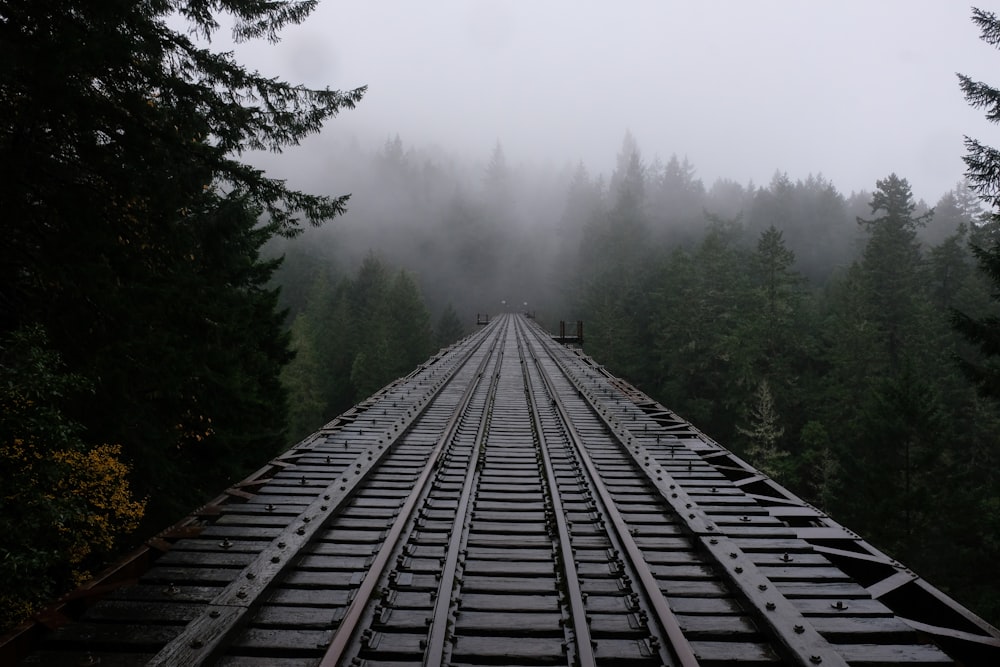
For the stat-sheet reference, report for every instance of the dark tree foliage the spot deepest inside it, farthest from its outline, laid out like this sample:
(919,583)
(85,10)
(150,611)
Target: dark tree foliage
(983,164)
(131,228)
(64,504)
(983,332)
(890,266)
(449,327)
(983,161)
(353,338)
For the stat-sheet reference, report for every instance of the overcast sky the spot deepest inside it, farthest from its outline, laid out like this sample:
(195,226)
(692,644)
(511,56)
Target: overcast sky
(852,89)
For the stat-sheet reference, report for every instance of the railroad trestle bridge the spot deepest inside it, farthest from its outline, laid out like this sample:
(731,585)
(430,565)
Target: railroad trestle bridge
(512,503)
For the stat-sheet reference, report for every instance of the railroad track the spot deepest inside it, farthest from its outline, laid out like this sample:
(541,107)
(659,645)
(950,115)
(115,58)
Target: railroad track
(508,503)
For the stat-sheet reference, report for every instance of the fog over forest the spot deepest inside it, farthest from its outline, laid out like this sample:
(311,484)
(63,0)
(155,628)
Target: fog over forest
(770,216)
(486,235)
(743,95)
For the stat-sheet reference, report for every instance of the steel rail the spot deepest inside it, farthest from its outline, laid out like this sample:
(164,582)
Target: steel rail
(679,644)
(348,624)
(791,631)
(578,610)
(434,655)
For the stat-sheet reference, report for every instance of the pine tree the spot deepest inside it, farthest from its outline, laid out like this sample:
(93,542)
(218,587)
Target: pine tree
(983,164)
(132,230)
(628,183)
(407,325)
(983,161)
(449,327)
(764,432)
(699,330)
(777,285)
(890,267)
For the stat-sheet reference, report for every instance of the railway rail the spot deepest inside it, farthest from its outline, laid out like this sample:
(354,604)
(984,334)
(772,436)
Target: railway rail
(512,503)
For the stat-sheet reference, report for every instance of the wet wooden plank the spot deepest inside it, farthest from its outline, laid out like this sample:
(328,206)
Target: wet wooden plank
(489,584)
(840,589)
(704,605)
(520,568)
(889,655)
(300,617)
(677,572)
(253,661)
(217,558)
(403,620)
(97,636)
(57,658)
(135,611)
(334,563)
(621,651)
(841,607)
(803,573)
(311,596)
(394,644)
(284,639)
(518,623)
(527,603)
(733,653)
(249,545)
(191,575)
(872,629)
(538,650)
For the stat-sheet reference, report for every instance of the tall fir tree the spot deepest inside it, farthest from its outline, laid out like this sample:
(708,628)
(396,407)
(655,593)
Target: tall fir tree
(132,230)
(890,267)
(983,164)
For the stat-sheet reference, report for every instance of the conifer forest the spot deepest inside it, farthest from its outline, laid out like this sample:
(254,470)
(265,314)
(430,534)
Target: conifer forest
(171,316)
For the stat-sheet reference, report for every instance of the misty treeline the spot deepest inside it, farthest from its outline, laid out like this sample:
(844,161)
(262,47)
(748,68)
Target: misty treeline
(355,335)
(808,330)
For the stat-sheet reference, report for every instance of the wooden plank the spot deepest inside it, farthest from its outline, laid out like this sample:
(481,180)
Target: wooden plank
(143,612)
(191,575)
(622,651)
(522,602)
(803,573)
(841,607)
(744,654)
(100,636)
(728,628)
(253,661)
(169,593)
(885,655)
(678,572)
(491,584)
(284,639)
(539,650)
(868,629)
(310,596)
(696,605)
(844,590)
(520,623)
(200,559)
(403,620)
(58,658)
(519,568)
(890,583)
(305,618)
